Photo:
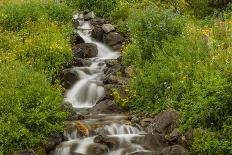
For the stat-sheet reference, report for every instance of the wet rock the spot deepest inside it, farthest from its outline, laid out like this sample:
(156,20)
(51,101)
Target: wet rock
(97,33)
(113,38)
(85,50)
(89,15)
(68,77)
(145,122)
(106,107)
(54,139)
(117,47)
(175,150)
(143,153)
(74,116)
(82,129)
(97,149)
(79,62)
(117,68)
(138,140)
(108,28)
(155,142)
(164,122)
(24,152)
(111,79)
(174,136)
(66,106)
(77,39)
(98,22)
(135,119)
(111,142)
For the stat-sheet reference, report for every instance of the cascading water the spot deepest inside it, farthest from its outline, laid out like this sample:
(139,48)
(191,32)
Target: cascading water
(84,94)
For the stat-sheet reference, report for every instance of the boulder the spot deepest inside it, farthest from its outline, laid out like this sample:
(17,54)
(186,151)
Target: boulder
(174,136)
(165,122)
(108,28)
(145,122)
(111,88)
(113,38)
(97,22)
(85,50)
(79,62)
(82,129)
(175,150)
(54,139)
(97,149)
(68,77)
(89,15)
(24,152)
(114,69)
(111,79)
(155,142)
(106,107)
(97,33)
(143,153)
(111,142)
(117,47)
(77,39)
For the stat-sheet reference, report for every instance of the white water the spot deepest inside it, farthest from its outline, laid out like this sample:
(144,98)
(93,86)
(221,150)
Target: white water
(85,93)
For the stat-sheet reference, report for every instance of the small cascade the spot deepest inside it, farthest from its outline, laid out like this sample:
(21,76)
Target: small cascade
(84,94)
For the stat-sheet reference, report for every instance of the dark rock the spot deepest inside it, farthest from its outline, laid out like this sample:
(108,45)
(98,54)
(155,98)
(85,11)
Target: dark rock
(74,116)
(113,38)
(155,142)
(68,77)
(112,88)
(143,153)
(97,33)
(145,122)
(174,136)
(111,142)
(75,153)
(79,62)
(108,28)
(106,107)
(135,119)
(24,152)
(117,68)
(97,149)
(175,150)
(66,106)
(111,79)
(54,139)
(138,140)
(85,50)
(117,47)
(77,39)
(98,22)
(164,122)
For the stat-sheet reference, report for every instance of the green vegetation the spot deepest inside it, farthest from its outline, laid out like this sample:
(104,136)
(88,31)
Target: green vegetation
(180,52)
(181,55)
(34,46)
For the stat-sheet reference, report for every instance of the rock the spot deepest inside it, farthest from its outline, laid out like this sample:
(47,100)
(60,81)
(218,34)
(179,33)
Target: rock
(24,152)
(97,149)
(82,129)
(79,62)
(98,22)
(77,39)
(111,79)
(175,150)
(117,68)
(174,136)
(106,107)
(155,142)
(111,142)
(68,77)
(135,119)
(66,106)
(128,71)
(108,28)
(143,153)
(85,50)
(97,33)
(89,15)
(137,140)
(145,122)
(112,38)
(74,116)
(164,122)
(117,47)
(54,139)
(111,88)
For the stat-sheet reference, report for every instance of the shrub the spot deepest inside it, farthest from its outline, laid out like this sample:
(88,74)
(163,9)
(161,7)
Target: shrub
(29,108)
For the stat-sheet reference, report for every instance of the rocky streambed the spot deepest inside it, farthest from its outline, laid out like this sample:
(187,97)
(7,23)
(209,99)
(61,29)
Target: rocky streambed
(97,125)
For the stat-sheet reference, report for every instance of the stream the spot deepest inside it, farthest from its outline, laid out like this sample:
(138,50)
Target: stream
(104,134)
